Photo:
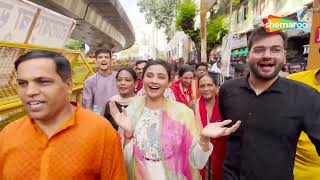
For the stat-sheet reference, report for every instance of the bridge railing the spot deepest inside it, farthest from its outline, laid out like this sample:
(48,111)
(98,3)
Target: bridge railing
(11,107)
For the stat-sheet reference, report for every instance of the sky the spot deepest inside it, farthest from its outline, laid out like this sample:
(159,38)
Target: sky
(139,24)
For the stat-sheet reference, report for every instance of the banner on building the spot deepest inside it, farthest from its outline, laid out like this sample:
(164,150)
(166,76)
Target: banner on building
(239,41)
(226,54)
(25,22)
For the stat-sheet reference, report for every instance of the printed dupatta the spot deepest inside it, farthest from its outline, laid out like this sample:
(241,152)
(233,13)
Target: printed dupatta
(219,144)
(179,133)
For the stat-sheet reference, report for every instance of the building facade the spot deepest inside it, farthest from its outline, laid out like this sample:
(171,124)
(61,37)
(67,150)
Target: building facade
(248,14)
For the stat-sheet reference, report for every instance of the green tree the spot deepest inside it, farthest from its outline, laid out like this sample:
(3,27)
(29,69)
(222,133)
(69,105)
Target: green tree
(216,30)
(235,2)
(75,45)
(160,12)
(217,25)
(186,13)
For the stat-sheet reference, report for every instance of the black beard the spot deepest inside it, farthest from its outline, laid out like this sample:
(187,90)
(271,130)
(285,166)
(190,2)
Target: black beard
(255,71)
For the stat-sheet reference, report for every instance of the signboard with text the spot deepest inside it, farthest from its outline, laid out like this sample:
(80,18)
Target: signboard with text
(26,22)
(51,29)
(15,20)
(238,41)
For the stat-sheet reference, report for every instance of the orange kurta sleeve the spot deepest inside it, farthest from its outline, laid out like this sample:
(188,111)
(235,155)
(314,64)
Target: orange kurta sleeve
(1,154)
(113,164)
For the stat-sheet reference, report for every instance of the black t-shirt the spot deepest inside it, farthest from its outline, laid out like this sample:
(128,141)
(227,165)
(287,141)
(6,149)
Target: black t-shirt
(264,146)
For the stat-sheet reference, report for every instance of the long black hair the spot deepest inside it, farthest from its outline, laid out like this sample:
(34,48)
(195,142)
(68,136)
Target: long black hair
(184,69)
(129,70)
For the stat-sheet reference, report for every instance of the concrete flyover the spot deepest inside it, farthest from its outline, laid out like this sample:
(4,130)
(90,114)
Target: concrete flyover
(100,23)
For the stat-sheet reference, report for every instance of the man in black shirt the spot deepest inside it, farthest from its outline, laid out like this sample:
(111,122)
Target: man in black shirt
(273,112)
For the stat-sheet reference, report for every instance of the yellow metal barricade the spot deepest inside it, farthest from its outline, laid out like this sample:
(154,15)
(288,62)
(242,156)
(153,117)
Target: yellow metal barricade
(11,107)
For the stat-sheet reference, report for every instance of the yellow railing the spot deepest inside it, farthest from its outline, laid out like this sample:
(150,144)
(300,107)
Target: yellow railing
(11,107)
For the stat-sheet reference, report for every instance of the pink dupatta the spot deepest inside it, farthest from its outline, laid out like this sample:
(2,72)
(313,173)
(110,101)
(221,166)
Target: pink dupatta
(179,133)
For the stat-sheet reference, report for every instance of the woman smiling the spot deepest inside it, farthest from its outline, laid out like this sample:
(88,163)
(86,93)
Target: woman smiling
(126,79)
(207,111)
(182,88)
(166,142)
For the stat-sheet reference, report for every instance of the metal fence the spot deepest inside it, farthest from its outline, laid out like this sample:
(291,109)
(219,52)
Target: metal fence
(11,107)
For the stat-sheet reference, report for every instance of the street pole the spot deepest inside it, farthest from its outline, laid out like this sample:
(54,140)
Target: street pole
(203,35)
(205,6)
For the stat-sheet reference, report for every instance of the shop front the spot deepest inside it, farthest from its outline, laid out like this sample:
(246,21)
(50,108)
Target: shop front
(239,49)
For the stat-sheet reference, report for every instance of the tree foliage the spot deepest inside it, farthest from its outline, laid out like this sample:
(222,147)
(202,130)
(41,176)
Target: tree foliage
(235,2)
(75,45)
(186,13)
(160,12)
(219,17)
(216,30)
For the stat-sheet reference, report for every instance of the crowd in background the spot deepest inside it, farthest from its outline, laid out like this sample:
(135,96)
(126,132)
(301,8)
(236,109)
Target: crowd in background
(167,121)
(197,86)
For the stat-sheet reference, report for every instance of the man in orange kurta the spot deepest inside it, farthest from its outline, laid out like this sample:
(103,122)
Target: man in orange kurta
(56,140)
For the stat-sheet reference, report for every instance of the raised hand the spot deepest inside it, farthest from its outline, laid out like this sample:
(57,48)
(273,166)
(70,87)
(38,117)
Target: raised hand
(121,119)
(218,129)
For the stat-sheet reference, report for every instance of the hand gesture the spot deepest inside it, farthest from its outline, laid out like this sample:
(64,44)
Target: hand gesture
(121,119)
(218,129)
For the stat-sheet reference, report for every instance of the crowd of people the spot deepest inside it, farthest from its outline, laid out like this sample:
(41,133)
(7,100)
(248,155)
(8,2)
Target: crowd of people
(164,121)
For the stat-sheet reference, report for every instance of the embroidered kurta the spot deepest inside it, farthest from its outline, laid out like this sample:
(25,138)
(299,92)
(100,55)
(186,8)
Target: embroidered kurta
(98,90)
(165,142)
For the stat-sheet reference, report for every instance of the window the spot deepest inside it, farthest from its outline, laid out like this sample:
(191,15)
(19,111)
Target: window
(245,13)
